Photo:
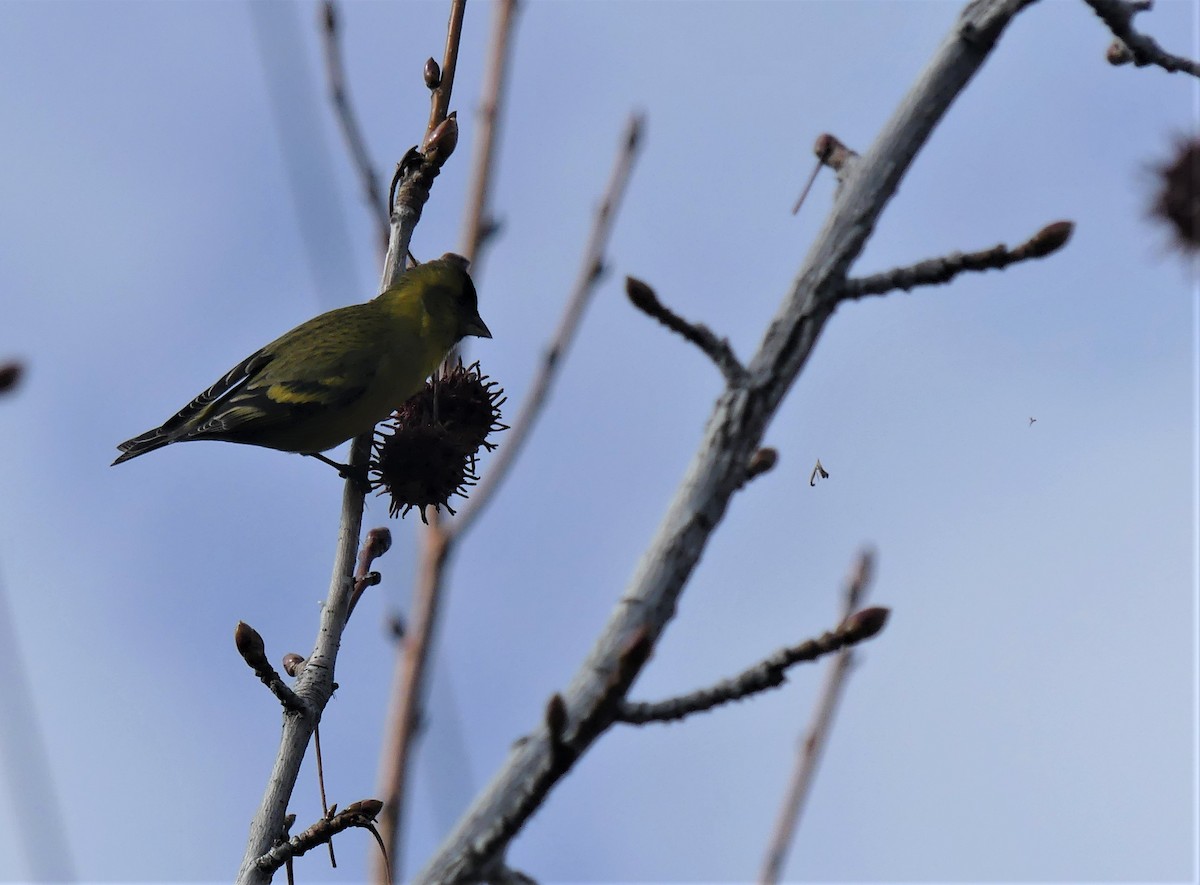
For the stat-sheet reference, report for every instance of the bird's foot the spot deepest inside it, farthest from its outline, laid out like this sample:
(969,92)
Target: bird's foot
(346,471)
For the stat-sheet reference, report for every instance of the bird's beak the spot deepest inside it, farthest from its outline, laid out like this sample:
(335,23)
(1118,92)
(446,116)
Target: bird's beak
(477,327)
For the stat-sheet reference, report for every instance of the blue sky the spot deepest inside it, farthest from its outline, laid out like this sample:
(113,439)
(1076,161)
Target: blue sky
(1029,713)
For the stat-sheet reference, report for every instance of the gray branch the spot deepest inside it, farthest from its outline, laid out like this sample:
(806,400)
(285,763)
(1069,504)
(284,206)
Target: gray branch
(734,432)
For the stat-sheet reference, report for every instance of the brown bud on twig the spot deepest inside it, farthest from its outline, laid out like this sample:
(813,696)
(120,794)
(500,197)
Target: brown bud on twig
(368,808)
(1118,53)
(250,644)
(761,462)
(442,140)
(1049,239)
(433,74)
(641,295)
(379,541)
(866,623)
(293,664)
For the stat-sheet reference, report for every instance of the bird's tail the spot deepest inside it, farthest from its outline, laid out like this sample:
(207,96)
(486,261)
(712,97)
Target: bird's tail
(140,445)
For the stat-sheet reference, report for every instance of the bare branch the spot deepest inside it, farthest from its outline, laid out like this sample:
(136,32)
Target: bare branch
(479,223)
(1131,46)
(585,284)
(716,349)
(416,172)
(253,650)
(765,675)
(734,432)
(439,103)
(348,121)
(315,683)
(314,686)
(818,731)
(408,686)
(357,814)
(936,271)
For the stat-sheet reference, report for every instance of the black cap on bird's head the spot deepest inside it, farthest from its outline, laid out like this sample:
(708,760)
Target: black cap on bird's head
(468,300)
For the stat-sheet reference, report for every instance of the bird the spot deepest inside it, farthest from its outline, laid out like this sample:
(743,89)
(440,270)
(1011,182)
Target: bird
(337,375)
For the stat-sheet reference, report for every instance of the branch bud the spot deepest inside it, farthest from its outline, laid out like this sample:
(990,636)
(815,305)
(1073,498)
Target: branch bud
(433,74)
(1049,239)
(865,623)
(442,140)
(641,295)
(293,664)
(250,644)
(761,462)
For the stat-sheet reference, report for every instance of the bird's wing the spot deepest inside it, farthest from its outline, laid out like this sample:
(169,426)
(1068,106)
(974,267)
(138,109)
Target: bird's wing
(223,386)
(266,397)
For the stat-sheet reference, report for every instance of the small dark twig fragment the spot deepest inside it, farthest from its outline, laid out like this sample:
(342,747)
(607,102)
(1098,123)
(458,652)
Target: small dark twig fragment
(818,470)
(717,349)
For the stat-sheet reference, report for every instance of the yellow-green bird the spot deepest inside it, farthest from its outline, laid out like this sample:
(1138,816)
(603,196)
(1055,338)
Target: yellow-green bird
(337,375)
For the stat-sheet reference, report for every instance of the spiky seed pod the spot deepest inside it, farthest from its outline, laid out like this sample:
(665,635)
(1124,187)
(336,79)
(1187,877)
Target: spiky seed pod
(426,453)
(416,466)
(1177,201)
(468,406)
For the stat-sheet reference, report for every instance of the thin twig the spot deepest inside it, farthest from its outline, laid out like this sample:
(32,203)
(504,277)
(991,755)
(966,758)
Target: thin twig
(716,349)
(347,119)
(818,731)
(1132,46)
(416,173)
(936,271)
(439,100)
(253,650)
(321,787)
(407,696)
(765,675)
(357,814)
(479,223)
(378,542)
(585,285)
